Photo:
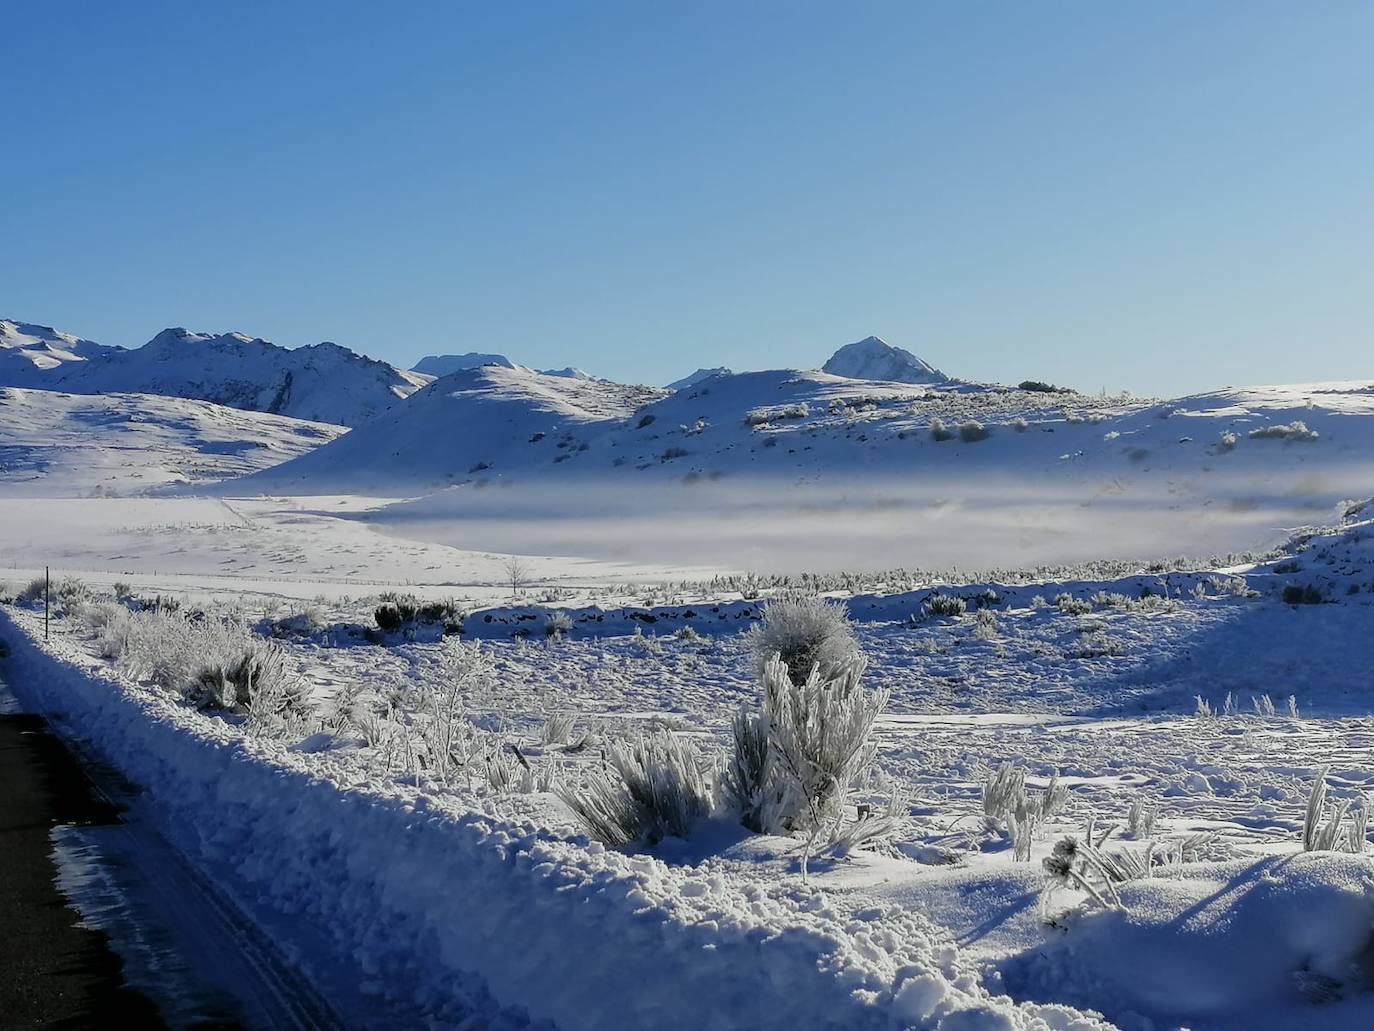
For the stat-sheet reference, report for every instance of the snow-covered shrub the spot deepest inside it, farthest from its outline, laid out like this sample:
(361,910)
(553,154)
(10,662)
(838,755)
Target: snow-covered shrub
(1039,602)
(33,591)
(1071,606)
(944,606)
(1263,705)
(938,431)
(687,634)
(1020,425)
(557,624)
(661,790)
(806,631)
(1094,644)
(1204,707)
(388,618)
(302,623)
(820,740)
(232,675)
(971,431)
(1295,431)
(985,626)
(1227,442)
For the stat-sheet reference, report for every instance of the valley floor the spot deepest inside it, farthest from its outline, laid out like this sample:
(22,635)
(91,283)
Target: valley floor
(1177,702)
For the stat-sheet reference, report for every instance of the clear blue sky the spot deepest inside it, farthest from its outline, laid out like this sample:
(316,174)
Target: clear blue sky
(1155,196)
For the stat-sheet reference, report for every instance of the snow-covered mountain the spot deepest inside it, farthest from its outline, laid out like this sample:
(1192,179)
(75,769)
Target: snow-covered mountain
(73,445)
(875,359)
(321,383)
(28,352)
(442,364)
(696,377)
(461,425)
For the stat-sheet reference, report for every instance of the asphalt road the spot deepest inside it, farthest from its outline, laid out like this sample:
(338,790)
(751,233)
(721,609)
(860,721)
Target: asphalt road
(53,973)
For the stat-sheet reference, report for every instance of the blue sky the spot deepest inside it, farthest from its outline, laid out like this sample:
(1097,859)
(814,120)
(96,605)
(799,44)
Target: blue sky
(1155,196)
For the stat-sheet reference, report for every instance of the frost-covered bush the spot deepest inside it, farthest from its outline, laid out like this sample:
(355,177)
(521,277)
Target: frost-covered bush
(211,663)
(805,630)
(1020,425)
(944,606)
(820,742)
(971,431)
(660,790)
(557,624)
(1295,431)
(985,626)
(1228,441)
(939,431)
(238,672)
(1071,606)
(1094,644)
(32,592)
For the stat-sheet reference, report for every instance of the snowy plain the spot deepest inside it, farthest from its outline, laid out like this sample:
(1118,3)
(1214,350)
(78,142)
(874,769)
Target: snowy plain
(1118,669)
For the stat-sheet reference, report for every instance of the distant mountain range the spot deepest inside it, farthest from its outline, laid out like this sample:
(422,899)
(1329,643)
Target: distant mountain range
(322,382)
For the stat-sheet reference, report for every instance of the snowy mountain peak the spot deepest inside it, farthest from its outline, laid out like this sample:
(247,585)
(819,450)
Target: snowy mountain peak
(29,351)
(443,364)
(697,377)
(874,358)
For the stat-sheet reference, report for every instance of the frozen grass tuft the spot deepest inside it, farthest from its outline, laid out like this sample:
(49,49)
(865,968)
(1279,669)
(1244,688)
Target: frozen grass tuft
(658,789)
(1327,832)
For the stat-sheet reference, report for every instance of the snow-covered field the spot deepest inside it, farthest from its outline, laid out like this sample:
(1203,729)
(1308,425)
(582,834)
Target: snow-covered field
(401,814)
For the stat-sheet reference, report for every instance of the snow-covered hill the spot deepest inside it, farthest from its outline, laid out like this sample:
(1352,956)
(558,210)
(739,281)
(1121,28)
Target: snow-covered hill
(29,353)
(873,358)
(785,471)
(460,426)
(321,383)
(74,445)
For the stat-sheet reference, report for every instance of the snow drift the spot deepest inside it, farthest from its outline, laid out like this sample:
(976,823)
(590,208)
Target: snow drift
(455,911)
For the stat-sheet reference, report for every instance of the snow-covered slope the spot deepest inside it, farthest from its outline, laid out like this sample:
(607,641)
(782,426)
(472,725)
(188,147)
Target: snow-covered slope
(876,359)
(442,364)
(73,445)
(462,425)
(321,383)
(696,377)
(29,353)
